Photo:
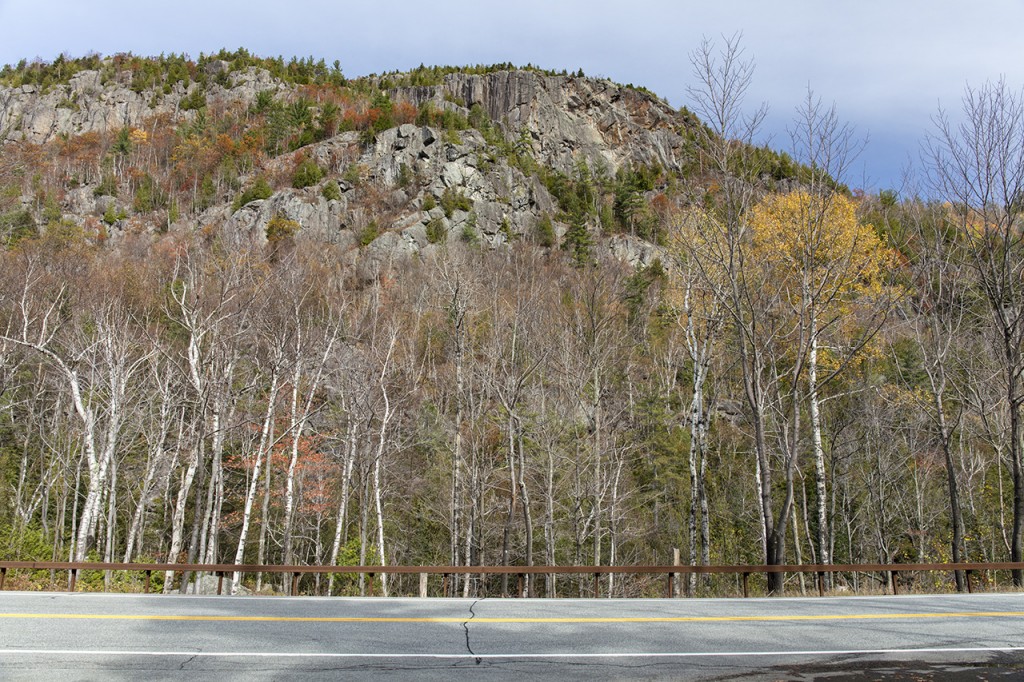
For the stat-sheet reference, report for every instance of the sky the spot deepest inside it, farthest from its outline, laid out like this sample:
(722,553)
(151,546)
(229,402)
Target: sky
(887,65)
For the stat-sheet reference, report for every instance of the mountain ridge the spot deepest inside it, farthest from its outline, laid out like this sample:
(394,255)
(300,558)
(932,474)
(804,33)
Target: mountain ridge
(535,134)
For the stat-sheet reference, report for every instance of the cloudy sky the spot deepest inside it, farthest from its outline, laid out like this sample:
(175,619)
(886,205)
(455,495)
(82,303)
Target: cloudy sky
(887,65)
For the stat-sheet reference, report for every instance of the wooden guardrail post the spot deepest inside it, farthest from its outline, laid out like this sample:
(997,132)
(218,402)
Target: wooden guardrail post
(967,575)
(295,583)
(678,577)
(423,585)
(3,576)
(892,578)
(746,593)
(74,579)
(821,583)
(597,586)
(220,583)
(149,575)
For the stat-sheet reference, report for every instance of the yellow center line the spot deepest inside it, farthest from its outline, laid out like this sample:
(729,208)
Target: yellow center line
(621,619)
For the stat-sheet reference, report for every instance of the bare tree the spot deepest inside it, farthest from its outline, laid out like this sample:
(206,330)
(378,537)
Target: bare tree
(723,257)
(826,147)
(97,363)
(700,320)
(977,164)
(210,302)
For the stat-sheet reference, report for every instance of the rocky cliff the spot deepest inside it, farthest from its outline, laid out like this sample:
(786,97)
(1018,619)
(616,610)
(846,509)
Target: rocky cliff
(391,182)
(88,104)
(568,118)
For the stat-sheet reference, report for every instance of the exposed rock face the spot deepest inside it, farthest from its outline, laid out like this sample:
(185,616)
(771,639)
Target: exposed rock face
(404,167)
(392,191)
(567,117)
(87,105)
(318,217)
(502,197)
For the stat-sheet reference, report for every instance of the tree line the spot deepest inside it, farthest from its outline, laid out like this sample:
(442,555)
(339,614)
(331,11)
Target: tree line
(805,375)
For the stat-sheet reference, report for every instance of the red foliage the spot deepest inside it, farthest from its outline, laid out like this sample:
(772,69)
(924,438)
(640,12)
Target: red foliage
(405,112)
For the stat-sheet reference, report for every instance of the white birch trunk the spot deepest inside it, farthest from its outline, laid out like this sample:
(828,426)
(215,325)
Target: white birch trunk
(263,450)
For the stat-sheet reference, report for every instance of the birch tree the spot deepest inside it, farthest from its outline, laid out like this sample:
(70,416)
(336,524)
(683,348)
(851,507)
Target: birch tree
(97,363)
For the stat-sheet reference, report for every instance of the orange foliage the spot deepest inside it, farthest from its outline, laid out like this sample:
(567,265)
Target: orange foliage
(405,112)
(661,205)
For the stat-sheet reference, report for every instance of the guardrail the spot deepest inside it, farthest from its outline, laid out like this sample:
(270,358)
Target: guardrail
(891,571)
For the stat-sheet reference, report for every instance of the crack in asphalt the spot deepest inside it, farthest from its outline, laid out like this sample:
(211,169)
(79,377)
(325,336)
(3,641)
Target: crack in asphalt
(465,627)
(186,662)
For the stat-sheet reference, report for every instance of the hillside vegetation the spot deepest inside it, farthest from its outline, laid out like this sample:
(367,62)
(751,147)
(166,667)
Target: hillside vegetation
(256,311)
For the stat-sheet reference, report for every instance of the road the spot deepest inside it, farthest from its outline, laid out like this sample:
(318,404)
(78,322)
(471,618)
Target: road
(56,636)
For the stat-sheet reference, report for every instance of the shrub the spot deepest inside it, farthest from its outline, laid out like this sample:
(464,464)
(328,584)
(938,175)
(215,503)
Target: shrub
(506,230)
(280,228)
(17,225)
(429,203)
(194,101)
(404,175)
(264,102)
(545,231)
(207,194)
(470,235)
(437,233)
(453,200)
(369,233)
(107,186)
(306,174)
(331,191)
(110,215)
(259,190)
(352,175)
(579,242)
(123,143)
(51,210)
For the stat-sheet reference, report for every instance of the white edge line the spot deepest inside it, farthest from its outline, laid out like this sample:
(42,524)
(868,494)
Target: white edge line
(707,654)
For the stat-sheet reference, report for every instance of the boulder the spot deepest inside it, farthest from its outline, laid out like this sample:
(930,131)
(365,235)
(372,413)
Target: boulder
(207,584)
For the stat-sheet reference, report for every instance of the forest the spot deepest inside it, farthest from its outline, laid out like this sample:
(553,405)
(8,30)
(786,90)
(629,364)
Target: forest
(804,374)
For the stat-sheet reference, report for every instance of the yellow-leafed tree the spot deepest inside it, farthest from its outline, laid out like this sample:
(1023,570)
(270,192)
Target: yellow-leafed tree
(830,270)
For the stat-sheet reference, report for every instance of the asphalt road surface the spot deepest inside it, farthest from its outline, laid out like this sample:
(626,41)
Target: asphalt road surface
(54,636)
